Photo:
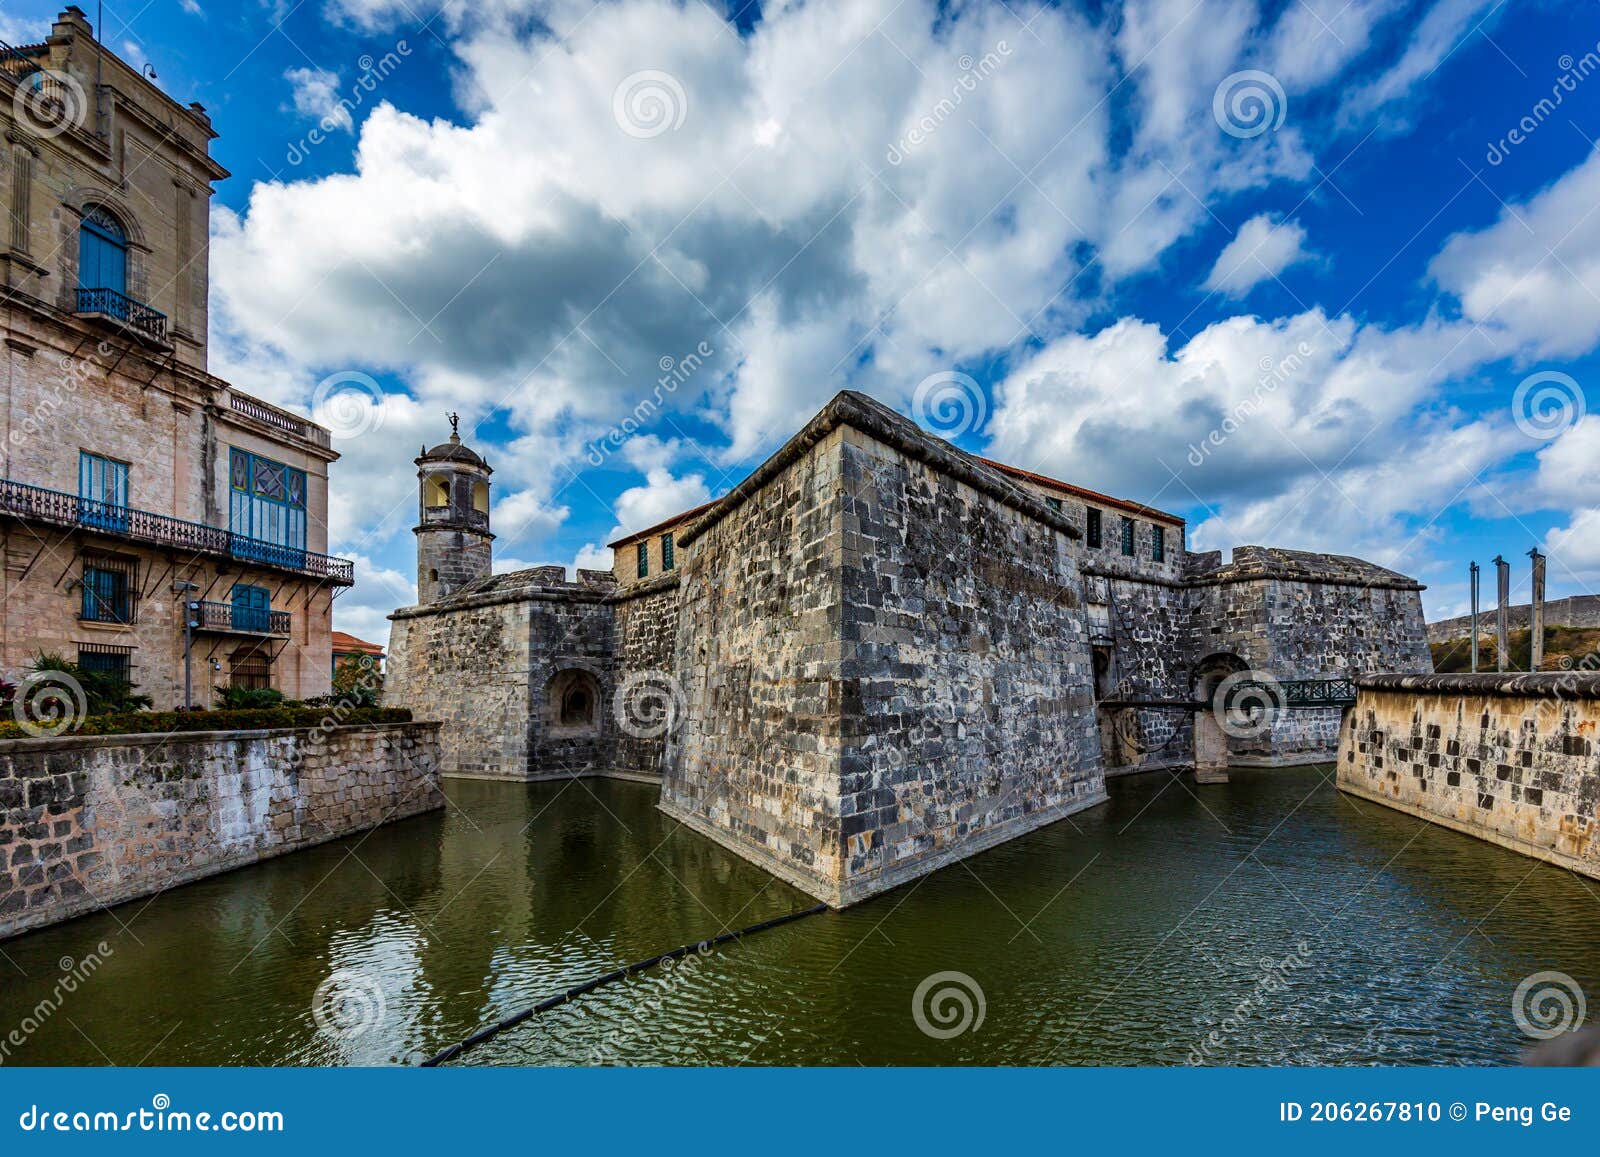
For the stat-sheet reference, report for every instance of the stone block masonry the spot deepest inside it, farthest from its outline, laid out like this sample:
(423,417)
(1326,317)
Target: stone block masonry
(88,822)
(1514,760)
(884,658)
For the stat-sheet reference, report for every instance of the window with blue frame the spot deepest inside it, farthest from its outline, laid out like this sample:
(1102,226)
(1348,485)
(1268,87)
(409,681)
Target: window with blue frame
(667,562)
(1127,537)
(102,491)
(644,558)
(102,252)
(266,508)
(1158,543)
(108,590)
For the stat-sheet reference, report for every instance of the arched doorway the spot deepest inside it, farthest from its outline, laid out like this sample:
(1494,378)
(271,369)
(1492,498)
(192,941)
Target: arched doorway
(572,703)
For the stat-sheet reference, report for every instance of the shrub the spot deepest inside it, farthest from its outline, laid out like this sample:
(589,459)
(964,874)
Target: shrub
(249,698)
(103,694)
(357,680)
(258,719)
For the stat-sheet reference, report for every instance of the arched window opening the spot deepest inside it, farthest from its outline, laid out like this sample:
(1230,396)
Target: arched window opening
(480,497)
(102,252)
(436,491)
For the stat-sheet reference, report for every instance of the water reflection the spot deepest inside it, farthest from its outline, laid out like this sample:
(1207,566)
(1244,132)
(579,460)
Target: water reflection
(1267,921)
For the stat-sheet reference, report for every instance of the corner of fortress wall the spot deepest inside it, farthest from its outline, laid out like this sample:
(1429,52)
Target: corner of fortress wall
(866,704)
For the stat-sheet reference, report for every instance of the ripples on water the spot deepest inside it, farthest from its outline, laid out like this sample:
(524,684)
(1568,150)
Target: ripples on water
(1295,924)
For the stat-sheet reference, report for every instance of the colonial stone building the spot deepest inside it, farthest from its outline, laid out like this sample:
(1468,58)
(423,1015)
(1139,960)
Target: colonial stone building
(877,653)
(132,482)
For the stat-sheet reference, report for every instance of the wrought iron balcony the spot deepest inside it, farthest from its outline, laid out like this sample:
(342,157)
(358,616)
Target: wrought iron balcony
(232,619)
(136,315)
(54,508)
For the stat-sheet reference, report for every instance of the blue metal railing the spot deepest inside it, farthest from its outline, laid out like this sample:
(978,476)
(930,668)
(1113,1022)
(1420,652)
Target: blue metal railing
(144,318)
(213,616)
(36,504)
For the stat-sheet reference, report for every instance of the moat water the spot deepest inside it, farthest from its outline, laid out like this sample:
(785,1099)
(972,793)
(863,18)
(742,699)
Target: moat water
(1268,921)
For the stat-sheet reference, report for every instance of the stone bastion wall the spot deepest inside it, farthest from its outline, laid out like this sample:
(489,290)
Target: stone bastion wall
(87,822)
(1512,759)
(884,659)
(492,664)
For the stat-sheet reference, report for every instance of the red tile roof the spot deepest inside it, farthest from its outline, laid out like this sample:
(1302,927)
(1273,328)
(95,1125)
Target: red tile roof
(1083,492)
(346,644)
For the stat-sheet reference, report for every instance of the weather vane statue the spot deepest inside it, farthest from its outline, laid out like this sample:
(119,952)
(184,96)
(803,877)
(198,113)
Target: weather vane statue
(455,424)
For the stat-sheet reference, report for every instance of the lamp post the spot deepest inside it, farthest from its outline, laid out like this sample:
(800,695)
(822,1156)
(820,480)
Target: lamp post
(189,624)
(1474,573)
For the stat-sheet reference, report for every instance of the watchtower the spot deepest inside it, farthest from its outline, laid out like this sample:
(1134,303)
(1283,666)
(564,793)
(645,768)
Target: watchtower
(454,546)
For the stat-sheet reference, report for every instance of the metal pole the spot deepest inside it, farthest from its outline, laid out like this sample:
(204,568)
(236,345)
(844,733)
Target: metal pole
(1536,613)
(1475,569)
(188,640)
(185,588)
(1502,570)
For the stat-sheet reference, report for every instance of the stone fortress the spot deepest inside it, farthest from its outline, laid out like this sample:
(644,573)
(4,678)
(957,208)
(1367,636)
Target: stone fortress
(878,653)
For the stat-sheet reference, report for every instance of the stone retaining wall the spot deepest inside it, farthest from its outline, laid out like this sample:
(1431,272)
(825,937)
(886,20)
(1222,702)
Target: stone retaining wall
(1574,611)
(87,822)
(1514,760)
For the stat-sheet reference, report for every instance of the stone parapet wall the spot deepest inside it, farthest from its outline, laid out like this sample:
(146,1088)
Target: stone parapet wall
(1514,760)
(90,822)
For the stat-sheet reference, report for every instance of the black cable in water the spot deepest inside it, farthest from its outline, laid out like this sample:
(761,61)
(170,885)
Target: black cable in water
(587,986)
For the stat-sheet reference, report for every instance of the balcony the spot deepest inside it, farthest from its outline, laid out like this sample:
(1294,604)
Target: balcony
(34,504)
(237,620)
(435,515)
(143,320)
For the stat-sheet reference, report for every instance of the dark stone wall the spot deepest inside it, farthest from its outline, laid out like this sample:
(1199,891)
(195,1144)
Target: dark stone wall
(646,703)
(967,703)
(755,764)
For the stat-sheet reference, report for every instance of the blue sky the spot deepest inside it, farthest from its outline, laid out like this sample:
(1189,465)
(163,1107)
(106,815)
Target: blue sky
(1280,268)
